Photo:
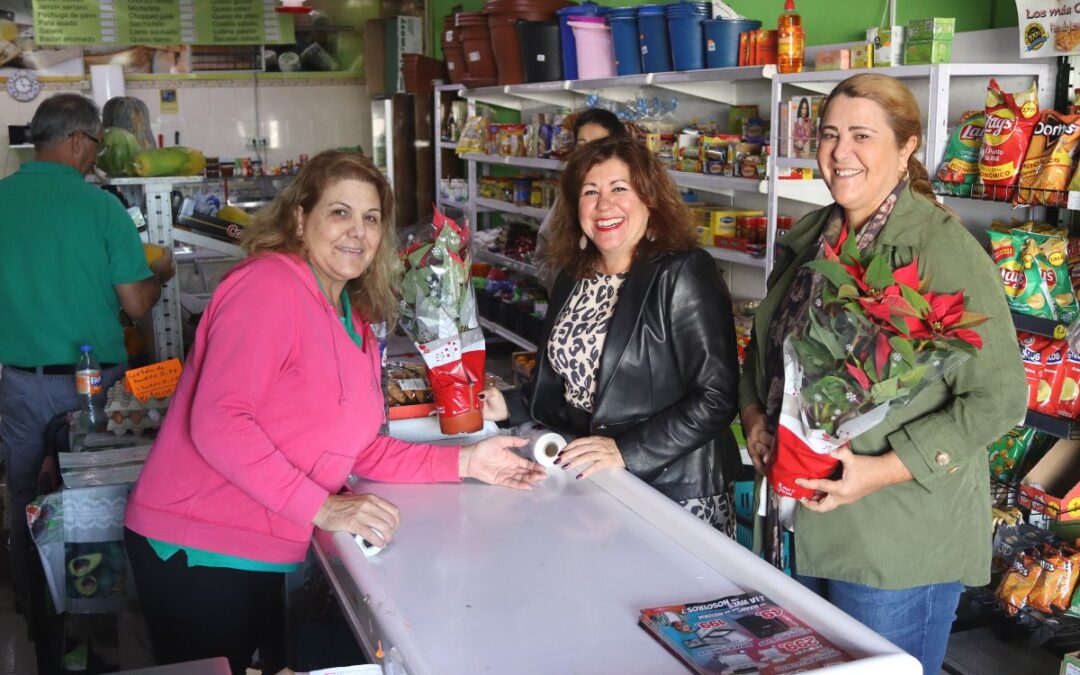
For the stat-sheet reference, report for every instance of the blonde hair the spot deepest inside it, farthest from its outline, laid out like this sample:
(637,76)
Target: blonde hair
(901,113)
(275,228)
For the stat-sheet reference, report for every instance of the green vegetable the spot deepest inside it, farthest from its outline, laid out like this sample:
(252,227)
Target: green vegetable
(117,152)
(128,112)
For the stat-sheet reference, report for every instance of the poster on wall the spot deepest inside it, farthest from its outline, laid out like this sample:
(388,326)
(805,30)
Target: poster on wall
(187,22)
(19,50)
(1048,28)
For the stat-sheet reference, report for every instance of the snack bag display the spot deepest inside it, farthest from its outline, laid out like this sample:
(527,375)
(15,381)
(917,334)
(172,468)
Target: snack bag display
(1031,347)
(1053,355)
(1055,574)
(1010,121)
(960,166)
(1016,258)
(1066,391)
(1068,586)
(1006,453)
(1049,160)
(1054,270)
(1018,581)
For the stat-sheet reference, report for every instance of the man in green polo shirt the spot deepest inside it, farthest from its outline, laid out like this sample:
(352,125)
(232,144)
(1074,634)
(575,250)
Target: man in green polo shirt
(70,259)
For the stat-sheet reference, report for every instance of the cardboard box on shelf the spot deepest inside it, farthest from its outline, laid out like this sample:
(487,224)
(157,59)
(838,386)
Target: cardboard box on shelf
(832,59)
(1053,484)
(920,52)
(933,28)
(1070,663)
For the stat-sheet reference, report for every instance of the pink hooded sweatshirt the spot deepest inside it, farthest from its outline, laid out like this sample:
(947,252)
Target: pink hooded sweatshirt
(275,407)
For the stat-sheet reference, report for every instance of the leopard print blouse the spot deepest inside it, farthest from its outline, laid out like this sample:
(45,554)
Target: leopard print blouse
(577,338)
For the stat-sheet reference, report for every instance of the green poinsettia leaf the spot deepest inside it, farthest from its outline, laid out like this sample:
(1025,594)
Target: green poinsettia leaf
(831,270)
(961,346)
(847,292)
(917,301)
(826,337)
(970,320)
(886,390)
(900,326)
(849,250)
(913,376)
(879,274)
(904,348)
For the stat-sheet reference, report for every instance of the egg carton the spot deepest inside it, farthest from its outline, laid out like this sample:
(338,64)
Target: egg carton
(127,413)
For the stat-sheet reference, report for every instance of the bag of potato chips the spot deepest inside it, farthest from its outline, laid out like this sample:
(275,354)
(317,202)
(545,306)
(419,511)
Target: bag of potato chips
(1054,270)
(1016,258)
(1031,354)
(1048,164)
(1010,121)
(1006,453)
(960,166)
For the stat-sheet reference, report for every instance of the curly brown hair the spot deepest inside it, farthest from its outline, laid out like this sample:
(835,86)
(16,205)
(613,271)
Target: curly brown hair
(670,224)
(275,227)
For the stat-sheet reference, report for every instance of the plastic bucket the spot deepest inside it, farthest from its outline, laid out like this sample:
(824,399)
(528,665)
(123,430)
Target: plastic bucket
(687,41)
(541,56)
(594,51)
(653,33)
(722,41)
(627,44)
(566,34)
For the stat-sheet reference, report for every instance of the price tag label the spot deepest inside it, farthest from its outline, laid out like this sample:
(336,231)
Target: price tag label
(158,380)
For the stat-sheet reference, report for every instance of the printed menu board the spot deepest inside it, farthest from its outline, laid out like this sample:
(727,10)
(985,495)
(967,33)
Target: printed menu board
(198,22)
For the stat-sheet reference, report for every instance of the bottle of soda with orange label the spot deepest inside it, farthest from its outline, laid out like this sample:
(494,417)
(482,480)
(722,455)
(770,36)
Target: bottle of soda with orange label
(88,385)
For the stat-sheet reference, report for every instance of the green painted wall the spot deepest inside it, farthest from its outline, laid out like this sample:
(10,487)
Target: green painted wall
(826,21)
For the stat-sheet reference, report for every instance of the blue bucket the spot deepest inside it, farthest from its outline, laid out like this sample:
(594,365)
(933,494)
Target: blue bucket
(687,41)
(722,41)
(627,43)
(653,31)
(566,35)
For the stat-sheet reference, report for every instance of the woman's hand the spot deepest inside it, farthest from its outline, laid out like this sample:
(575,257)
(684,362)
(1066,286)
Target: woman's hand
(759,442)
(494,405)
(370,516)
(863,474)
(595,453)
(491,461)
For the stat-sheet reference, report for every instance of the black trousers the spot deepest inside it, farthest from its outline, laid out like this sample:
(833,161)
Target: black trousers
(205,612)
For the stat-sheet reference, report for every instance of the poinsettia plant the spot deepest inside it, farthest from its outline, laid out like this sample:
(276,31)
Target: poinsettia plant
(875,337)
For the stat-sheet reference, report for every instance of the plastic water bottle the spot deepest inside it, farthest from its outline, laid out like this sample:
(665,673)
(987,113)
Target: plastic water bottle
(88,384)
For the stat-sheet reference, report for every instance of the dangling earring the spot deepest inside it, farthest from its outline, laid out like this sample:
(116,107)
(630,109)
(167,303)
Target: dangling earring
(300,231)
(583,243)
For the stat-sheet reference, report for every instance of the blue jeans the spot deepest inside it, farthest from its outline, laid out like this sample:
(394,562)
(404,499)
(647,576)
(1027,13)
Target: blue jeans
(28,402)
(916,620)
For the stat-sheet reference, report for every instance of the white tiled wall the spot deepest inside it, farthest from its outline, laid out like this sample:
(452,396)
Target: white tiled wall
(219,119)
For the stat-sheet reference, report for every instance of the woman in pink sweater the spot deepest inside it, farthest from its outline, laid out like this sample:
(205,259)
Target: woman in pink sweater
(279,401)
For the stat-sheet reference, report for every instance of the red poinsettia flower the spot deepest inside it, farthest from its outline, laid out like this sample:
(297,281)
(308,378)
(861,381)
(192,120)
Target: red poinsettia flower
(946,320)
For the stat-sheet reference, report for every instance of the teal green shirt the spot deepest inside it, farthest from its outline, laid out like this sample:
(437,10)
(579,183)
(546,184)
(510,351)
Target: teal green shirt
(346,307)
(64,245)
(198,557)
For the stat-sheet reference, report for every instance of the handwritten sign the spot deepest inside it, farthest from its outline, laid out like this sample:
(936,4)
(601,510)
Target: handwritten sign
(158,380)
(1048,28)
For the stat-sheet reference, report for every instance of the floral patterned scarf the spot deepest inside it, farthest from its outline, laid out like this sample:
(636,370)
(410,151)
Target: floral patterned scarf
(791,315)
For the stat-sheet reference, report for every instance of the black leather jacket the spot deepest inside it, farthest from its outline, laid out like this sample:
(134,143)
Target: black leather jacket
(667,390)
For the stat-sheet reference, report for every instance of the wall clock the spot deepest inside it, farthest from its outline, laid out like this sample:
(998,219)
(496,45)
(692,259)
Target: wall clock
(23,85)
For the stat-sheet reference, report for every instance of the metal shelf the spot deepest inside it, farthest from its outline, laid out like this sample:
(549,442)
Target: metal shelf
(796,163)
(448,145)
(509,263)
(523,162)
(1061,427)
(738,257)
(508,334)
(709,183)
(209,243)
(507,207)
(1044,327)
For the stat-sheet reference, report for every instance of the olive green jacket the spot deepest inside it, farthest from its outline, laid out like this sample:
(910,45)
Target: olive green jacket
(935,528)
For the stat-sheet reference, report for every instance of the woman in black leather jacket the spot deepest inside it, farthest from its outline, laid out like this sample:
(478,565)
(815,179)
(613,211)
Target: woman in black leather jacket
(638,358)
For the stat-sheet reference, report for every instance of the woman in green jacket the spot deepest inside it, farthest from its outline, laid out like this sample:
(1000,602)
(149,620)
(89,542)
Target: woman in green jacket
(893,541)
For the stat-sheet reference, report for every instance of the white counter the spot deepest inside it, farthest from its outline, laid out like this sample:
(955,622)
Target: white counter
(550,581)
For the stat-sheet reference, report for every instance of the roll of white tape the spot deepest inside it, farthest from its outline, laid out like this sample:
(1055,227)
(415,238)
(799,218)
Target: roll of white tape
(366,546)
(544,446)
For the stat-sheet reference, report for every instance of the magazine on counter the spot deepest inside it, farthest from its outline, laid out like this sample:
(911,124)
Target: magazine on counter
(740,634)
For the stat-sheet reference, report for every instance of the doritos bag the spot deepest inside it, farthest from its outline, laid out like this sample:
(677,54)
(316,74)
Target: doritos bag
(1049,132)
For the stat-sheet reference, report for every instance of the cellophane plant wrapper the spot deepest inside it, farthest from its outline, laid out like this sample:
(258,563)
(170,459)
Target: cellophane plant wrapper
(874,338)
(438,311)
